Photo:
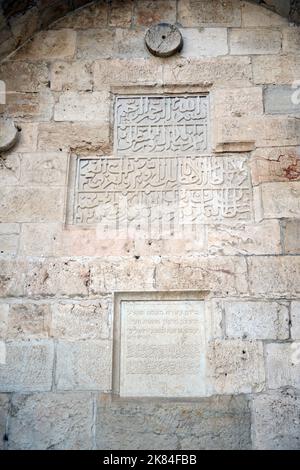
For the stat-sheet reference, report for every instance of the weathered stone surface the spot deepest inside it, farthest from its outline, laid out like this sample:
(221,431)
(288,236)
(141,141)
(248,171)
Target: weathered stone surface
(30,106)
(28,366)
(147,13)
(83,138)
(8,135)
(163,39)
(28,321)
(274,275)
(209,423)
(10,169)
(215,13)
(217,274)
(84,365)
(32,234)
(211,42)
(281,200)
(121,13)
(11,277)
(283,364)
(8,242)
(27,141)
(276,420)
(25,77)
(84,106)
(291,230)
(44,168)
(82,320)
(256,320)
(275,164)
(51,421)
(262,238)
(233,70)
(71,76)
(281,70)
(295,320)
(254,41)
(255,16)
(130,44)
(18,204)
(89,243)
(291,40)
(4,407)
(281,100)
(49,45)
(65,277)
(24,26)
(95,43)
(236,366)
(4,309)
(92,16)
(237,102)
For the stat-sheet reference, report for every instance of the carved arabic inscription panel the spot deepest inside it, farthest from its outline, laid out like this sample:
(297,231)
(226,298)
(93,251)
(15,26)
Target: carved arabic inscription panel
(158,125)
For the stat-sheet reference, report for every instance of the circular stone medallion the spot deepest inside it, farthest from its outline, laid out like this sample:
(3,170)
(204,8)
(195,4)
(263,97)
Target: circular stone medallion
(163,40)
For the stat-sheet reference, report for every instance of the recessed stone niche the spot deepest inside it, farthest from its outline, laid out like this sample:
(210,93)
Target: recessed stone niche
(160,344)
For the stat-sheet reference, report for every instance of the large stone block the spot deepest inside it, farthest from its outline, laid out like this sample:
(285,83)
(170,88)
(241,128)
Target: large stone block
(281,100)
(4,407)
(28,321)
(254,41)
(82,320)
(12,276)
(261,238)
(291,233)
(217,274)
(84,365)
(295,320)
(4,309)
(280,200)
(32,234)
(91,16)
(281,70)
(65,277)
(236,366)
(84,106)
(49,45)
(235,71)
(211,42)
(276,420)
(27,141)
(121,13)
(253,16)
(237,102)
(44,168)
(51,421)
(274,275)
(275,164)
(71,76)
(10,169)
(95,43)
(291,40)
(283,364)
(158,11)
(28,367)
(209,423)
(214,13)
(261,320)
(83,138)
(29,106)
(130,43)
(19,204)
(25,77)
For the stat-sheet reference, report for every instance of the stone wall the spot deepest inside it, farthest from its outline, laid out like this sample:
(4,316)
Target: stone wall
(58,279)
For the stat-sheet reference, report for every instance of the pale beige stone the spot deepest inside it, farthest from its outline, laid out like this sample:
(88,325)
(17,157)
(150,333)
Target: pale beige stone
(130,44)
(211,42)
(10,169)
(259,239)
(9,243)
(255,16)
(283,364)
(83,138)
(78,242)
(40,239)
(84,365)
(82,320)
(281,70)
(12,276)
(61,277)
(237,102)
(29,106)
(149,12)
(223,70)
(109,72)
(28,321)
(92,16)
(213,13)
(4,309)
(280,200)
(83,106)
(95,43)
(258,320)
(71,76)
(121,13)
(291,40)
(275,164)
(40,204)
(272,276)
(254,41)
(28,366)
(27,141)
(52,421)
(49,45)
(295,320)
(25,77)
(44,168)
(291,229)
(236,366)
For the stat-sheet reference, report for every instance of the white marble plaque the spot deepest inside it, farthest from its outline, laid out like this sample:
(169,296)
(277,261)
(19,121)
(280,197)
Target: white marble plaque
(162,348)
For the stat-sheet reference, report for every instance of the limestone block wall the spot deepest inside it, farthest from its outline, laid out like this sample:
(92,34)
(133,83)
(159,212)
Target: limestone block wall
(58,280)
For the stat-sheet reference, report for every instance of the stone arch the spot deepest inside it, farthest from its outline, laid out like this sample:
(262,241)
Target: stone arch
(19,20)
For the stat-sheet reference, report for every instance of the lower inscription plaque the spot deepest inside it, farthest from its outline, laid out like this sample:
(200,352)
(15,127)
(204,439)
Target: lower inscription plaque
(162,348)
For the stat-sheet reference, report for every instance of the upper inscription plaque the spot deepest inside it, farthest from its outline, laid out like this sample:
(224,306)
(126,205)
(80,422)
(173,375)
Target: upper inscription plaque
(158,125)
